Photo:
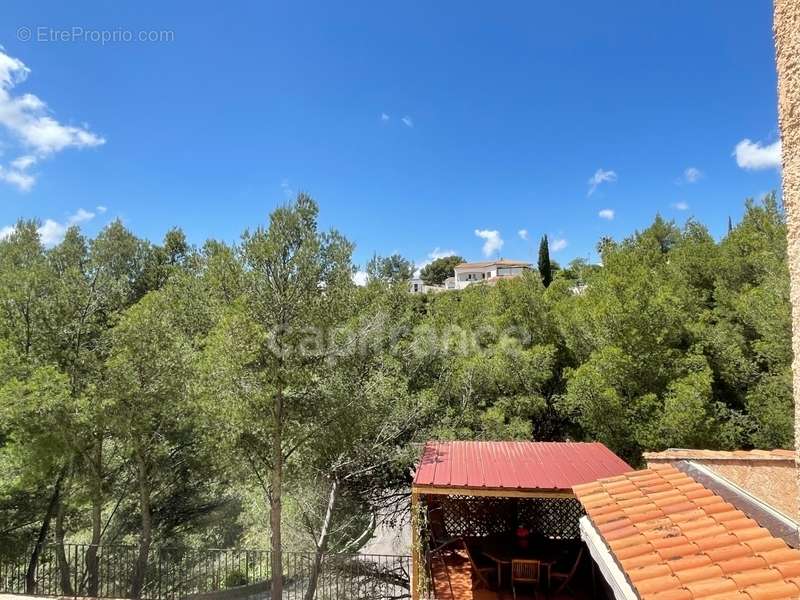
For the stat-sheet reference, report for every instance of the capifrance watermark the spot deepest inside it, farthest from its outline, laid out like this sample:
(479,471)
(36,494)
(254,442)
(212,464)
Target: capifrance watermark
(88,35)
(370,339)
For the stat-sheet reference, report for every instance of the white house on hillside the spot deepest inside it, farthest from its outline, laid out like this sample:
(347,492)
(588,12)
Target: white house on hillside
(489,271)
(417,286)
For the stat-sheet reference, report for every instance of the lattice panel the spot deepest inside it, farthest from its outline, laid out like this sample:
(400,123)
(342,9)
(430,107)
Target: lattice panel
(476,516)
(556,518)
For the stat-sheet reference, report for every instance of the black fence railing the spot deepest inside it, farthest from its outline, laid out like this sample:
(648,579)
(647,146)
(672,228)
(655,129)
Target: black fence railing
(174,574)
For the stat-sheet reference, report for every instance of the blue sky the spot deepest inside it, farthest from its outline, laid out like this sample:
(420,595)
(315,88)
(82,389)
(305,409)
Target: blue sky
(414,125)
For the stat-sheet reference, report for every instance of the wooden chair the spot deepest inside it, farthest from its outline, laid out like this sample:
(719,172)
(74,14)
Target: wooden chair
(482,569)
(524,571)
(566,577)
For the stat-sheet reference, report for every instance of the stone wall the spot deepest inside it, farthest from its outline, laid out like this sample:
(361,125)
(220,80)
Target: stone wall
(786,28)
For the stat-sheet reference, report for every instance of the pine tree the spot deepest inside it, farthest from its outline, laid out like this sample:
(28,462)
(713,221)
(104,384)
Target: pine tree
(545,269)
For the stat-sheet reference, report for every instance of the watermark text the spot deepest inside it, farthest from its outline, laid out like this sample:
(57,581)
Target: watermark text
(77,34)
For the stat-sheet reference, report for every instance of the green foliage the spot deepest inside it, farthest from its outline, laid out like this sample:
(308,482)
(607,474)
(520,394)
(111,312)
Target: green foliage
(545,266)
(440,269)
(197,386)
(390,269)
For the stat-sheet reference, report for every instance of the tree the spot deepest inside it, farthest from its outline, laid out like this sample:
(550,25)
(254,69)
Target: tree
(263,361)
(545,268)
(148,376)
(356,470)
(390,269)
(440,269)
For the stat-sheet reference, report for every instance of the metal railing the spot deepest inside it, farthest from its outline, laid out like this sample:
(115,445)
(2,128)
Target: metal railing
(173,574)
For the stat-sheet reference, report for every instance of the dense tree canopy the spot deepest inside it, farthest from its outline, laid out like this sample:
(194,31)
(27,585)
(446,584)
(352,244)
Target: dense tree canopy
(161,394)
(390,269)
(440,269)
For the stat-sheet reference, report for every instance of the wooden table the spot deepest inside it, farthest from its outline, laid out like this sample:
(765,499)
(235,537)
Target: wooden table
(503,550)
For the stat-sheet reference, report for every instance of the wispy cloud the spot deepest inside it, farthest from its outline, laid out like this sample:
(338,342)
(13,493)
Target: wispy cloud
(28,122)
(523,234)
(385,117)
(752,156)
(607,214)
(439,253)
(600,176)
(558,244)
(432,256)
(692,175)
(51,231)
(681,205)
(101,209)
(492,240)
(23,181)
(288,192)
(407,121)
(23,162)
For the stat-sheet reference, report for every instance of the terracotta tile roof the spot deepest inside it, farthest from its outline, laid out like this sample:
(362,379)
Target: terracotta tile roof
(490,263)
(687,454)
(677,540)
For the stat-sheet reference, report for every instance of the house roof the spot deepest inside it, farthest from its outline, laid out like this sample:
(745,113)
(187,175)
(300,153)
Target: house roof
(690,454)
(677,540)
(770,475)
(520,466)
(490,263)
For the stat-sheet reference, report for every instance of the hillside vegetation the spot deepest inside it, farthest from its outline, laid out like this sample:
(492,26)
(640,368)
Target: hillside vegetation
(169,395)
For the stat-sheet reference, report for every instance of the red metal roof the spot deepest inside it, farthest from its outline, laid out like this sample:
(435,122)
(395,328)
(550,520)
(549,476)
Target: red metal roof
(516,465)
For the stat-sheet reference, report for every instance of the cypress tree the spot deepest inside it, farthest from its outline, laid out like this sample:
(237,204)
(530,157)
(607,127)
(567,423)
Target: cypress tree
(545,270)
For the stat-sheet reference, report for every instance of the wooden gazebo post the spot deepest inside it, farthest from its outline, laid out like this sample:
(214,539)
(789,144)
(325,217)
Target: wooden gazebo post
(415,545)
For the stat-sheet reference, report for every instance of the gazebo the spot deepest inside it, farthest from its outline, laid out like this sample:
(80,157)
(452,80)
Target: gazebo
(482,494)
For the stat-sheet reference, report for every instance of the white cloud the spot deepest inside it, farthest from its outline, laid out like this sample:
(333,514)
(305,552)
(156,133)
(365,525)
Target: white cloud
(407,121)
(606,213)
(523,234)
(432,256)
(384,117)
(28,121)
(287,189)
(360,278)
(23,181)
(558,244)
(80,216)
(753,156)
(439,253)
(23,162)
(101,209)
(681,206)
(692,175)
(600,176)
(52,232)
(493,241)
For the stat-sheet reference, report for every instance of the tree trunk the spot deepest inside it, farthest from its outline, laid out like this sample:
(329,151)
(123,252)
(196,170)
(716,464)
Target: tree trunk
(322,543)
(33,563)
(275,500)
(92,564)
(145,536)
(61,554)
